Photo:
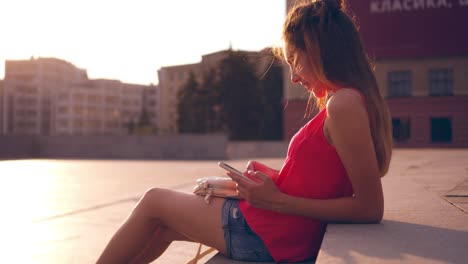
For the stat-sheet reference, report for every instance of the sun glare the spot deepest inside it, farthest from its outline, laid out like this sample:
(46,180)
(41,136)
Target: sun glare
(25,199)
(130,40)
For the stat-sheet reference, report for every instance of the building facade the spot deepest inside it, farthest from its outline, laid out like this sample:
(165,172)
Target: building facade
(151,104)
(29,88)
(48,96)
(420,53)
(171,79)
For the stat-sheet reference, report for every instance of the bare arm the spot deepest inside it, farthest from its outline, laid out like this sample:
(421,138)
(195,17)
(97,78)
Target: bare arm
(348,126)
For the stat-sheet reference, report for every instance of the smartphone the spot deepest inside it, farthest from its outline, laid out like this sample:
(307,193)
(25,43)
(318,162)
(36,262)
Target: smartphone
(229,168)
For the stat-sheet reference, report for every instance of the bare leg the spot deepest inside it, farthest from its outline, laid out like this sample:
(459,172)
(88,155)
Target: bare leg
(160,241)
(130,238)
(184,213)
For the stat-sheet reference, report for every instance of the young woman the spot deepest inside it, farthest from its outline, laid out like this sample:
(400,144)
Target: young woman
(331,174)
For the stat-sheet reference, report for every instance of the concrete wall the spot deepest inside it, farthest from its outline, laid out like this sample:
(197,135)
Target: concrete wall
(115,147)
(17,147)
(257,149)
(420,110)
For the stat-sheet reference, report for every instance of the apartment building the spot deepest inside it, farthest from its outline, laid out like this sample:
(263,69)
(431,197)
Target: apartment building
(172,78)
(420,53)
(48,96)
(103,107)
(29,87)
(150,105)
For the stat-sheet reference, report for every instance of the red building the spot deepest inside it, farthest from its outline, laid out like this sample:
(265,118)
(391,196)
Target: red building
(420,52)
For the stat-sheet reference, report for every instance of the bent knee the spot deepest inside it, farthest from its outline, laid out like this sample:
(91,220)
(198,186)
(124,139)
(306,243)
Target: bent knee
(154,195)
(154,198)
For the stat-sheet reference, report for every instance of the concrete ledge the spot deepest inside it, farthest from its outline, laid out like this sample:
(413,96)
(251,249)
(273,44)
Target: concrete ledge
(420,225)
(422,222)
(220,259)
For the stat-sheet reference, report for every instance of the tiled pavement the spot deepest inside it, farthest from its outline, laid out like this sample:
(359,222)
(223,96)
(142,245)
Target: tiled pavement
(65,211)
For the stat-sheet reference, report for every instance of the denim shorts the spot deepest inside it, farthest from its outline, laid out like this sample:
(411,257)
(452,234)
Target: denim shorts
(241,242)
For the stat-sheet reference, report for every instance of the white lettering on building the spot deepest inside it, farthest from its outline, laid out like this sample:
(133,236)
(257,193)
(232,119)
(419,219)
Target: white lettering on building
(463,2)
(388,6)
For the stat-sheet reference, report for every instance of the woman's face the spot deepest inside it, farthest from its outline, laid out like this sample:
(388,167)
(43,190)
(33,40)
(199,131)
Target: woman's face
(301,71)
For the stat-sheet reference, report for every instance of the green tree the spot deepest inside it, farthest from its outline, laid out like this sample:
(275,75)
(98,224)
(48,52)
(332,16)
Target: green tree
(198,107)
(143,126)
(210,101)
(272,100)
(240,97)
(144,118)
(234,100)
(186,97)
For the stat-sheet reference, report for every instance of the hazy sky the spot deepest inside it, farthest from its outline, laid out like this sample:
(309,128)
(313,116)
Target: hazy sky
(130,40)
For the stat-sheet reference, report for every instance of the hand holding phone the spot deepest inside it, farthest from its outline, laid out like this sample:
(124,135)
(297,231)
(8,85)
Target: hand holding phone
(233,170)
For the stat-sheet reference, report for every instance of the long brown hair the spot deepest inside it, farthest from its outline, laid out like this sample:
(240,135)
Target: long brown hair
(330,39)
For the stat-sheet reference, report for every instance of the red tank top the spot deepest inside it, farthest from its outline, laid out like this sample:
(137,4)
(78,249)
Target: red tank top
(312,169)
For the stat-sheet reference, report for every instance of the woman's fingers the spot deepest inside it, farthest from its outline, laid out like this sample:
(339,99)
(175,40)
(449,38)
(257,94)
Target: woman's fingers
(251,165)
(239,180)
(260,175)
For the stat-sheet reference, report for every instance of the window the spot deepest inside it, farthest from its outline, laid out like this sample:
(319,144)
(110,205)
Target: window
(93,124)
(27,89)
(78,110)
(441,82)
(62,110)
(78,123)
(79,97)
(25,77)
(401,129)
(63,96)
(62,123)
(399,84)
(92,98)
(441,130)
(111,99)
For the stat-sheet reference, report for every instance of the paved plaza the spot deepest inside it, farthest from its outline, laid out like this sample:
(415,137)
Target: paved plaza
(65,211)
